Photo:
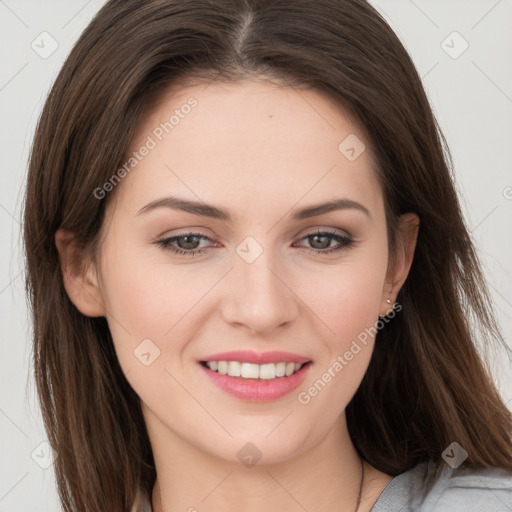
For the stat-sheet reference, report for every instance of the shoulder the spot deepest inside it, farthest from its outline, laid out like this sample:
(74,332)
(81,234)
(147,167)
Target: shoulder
(455,490)
(487,489)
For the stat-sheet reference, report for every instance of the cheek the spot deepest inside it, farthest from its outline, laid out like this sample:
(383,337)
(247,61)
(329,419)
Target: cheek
(143,295)
(151,300)
(349,306)
(348,299)
(356,304)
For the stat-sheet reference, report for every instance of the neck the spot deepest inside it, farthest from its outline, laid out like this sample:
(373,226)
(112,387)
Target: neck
(324,478)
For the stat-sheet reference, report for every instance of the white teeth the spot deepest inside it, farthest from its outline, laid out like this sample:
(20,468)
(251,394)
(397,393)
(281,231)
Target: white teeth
(268,371)
(234,368)
(280,369)
(222,367)
(254,371)
(250,371)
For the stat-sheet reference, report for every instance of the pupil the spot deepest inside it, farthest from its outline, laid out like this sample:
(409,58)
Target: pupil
(326,239)
(187,244)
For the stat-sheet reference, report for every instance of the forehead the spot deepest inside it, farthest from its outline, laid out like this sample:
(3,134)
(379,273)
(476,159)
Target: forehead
(251,143)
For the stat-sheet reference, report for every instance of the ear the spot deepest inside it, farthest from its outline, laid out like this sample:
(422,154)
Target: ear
(399,269)
(79,275)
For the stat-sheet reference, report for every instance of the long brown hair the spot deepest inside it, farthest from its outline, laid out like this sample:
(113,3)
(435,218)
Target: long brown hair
(426,385)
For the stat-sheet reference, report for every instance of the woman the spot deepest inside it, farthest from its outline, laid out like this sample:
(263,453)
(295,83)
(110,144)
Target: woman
(250,277)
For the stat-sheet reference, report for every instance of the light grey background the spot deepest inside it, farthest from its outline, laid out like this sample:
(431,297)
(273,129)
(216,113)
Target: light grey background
(471,93)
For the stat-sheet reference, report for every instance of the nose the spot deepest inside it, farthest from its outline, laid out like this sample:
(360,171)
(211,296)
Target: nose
(258,296)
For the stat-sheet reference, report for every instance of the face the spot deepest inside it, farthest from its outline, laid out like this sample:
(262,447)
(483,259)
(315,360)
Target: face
(263,278)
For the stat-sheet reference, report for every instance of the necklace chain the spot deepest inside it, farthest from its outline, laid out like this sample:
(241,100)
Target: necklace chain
(360,486)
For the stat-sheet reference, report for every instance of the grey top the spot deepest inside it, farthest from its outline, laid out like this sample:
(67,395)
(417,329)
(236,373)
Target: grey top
(456,490)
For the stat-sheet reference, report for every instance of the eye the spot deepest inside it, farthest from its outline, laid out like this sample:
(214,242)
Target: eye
(324,239)
(187,244)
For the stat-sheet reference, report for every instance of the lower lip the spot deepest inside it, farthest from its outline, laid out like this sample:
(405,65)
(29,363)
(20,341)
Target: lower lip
(257,390)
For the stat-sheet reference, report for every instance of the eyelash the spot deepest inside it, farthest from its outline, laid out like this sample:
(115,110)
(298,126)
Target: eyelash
(345,241)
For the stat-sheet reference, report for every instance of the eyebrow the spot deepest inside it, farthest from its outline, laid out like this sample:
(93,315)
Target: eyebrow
(215,212)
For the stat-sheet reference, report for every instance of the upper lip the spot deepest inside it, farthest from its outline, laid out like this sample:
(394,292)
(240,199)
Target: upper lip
(249,356)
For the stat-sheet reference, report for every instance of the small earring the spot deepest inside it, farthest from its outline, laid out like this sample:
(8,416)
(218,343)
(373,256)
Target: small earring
(388,301)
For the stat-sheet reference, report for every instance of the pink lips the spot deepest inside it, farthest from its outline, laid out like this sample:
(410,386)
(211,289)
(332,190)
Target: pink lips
(257,390)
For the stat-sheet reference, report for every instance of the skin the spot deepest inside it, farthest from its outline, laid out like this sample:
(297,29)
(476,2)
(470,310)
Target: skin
(261,151)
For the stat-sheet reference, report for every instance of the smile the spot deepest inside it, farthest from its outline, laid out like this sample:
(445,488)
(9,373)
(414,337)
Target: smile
(254,371)
(256,377)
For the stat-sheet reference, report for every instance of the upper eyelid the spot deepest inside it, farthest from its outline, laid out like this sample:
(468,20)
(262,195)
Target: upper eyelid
(301,234)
